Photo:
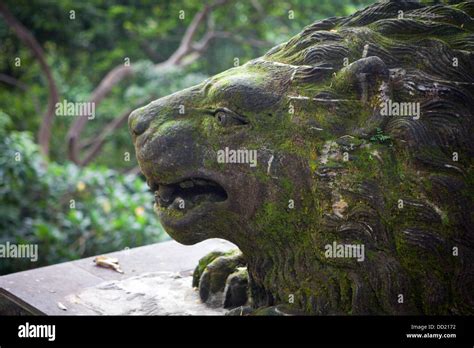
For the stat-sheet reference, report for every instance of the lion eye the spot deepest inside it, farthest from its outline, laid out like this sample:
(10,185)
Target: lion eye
(226,117)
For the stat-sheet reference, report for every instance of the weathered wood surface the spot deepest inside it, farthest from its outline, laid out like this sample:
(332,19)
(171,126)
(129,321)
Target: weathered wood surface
(78,285)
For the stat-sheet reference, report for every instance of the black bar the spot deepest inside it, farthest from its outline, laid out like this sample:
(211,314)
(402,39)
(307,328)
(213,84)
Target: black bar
(240,330)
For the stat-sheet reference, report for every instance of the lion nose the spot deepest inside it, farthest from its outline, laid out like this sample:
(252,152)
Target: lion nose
(139,121)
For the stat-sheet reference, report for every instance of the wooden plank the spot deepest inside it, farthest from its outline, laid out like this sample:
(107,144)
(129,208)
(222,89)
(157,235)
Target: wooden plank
(39,291)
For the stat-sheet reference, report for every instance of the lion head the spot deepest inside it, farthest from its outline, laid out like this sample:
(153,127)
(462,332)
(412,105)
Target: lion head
(356,132)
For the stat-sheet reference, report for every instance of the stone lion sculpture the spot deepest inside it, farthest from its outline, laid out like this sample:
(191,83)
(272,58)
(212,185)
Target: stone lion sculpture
(340,163)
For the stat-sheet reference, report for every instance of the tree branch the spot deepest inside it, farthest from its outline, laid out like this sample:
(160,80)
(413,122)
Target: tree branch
(44,134)
(185,49)
(98,142)
(13,81)
(112,78)
(24,87)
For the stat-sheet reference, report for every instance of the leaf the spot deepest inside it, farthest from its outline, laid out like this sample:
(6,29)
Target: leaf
(108,262)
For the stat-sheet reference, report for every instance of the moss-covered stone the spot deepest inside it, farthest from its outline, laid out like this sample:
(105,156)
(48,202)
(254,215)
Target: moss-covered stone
(331,166)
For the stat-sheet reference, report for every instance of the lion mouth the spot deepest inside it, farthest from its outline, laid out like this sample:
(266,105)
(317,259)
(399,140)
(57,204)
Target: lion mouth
(188,194)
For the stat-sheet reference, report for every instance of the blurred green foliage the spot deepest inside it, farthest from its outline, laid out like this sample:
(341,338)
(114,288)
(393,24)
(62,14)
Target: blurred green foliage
(69,212)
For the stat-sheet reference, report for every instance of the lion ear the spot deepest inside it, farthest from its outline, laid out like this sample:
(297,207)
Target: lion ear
(367,75)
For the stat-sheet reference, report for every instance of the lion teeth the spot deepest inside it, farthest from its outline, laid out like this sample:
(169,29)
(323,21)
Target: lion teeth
(178,203)
(186,184)
(199,182)
(165,193)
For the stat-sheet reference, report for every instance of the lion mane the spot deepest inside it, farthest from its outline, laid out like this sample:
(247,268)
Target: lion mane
(428,54)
